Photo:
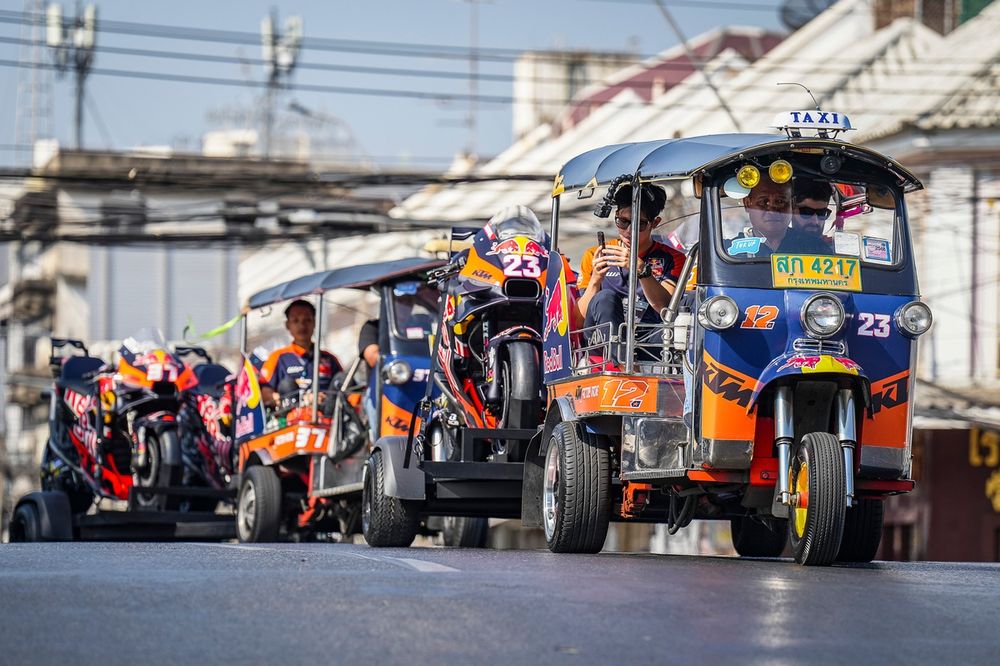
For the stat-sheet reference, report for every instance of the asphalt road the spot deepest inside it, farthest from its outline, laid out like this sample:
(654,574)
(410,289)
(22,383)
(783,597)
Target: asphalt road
(345,604)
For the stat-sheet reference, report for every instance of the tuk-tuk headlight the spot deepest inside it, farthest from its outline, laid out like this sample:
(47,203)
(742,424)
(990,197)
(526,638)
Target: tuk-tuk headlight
(822,315)
(397,372)
(914,319)
(718,313)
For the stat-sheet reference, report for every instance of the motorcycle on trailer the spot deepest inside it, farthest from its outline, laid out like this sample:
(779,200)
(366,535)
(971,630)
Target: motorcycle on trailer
(790,354)
(464,458)
(301,466)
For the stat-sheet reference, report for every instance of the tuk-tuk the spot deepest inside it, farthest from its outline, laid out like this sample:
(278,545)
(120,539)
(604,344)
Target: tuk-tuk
(301,465)
(777,390)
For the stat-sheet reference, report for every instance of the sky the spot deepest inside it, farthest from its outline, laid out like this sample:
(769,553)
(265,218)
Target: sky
(124,112)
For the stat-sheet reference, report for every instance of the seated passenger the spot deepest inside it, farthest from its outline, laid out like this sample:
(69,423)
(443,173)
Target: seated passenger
(295,361)
(769,207)
(605,273)
(811,209)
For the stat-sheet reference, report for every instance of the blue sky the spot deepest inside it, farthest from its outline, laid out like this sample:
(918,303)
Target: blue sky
(133,112)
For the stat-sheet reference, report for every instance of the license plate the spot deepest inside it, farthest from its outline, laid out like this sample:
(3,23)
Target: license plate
(808,271)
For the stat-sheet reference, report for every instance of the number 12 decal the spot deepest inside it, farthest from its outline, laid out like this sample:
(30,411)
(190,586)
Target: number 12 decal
(873,325)
(760,316)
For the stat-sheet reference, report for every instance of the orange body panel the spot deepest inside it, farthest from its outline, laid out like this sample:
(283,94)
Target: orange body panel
(302,439)
(716,475)
(725,397)
(891,406)
(609,393)
(395,420)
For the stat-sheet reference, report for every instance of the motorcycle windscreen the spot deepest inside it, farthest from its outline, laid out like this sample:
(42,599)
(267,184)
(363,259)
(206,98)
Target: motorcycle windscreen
(249,404)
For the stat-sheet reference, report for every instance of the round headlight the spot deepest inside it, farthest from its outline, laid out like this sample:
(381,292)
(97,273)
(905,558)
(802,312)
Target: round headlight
(914,319)
(822,315)
(718,313)
(397,372)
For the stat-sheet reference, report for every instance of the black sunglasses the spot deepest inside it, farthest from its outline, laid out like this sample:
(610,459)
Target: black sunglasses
(821,213)
(625,224)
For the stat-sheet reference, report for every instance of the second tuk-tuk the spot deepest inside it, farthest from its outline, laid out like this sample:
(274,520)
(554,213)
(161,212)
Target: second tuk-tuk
(301,465)
(777,391)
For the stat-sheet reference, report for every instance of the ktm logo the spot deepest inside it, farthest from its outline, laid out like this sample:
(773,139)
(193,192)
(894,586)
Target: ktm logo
(891,394)
(726,384)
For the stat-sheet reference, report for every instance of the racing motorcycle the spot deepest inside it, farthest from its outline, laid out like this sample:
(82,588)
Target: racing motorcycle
(112,429)
(490,337)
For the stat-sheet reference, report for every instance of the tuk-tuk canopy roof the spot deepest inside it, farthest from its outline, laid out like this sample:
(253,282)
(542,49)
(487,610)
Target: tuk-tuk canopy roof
(669,159)
(350,277)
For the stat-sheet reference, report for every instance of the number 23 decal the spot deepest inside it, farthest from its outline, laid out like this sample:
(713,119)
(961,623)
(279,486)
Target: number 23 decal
(518,265)
(873,325)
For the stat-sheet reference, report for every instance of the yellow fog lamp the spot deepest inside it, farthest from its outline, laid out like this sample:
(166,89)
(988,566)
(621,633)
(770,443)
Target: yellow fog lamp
(748,176)
(780,171)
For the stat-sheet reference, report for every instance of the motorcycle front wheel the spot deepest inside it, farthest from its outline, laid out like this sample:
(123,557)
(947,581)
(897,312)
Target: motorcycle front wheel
(520,379)
(155,472)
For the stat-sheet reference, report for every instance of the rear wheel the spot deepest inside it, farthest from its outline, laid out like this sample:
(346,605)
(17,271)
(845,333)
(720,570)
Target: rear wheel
(386,521)
(152,471)
(754,537)
(576,491)
(465,532)
(258,506)
(26,524)
(817,482)
(862,531)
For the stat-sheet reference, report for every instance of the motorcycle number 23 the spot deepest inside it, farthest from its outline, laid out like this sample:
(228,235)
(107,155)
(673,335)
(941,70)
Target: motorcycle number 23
(519,265)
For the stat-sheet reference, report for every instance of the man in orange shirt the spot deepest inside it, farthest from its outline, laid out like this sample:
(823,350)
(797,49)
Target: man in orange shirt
(295,361)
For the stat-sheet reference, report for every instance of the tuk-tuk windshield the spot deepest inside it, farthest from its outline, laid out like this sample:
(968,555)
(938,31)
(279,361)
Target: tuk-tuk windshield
(414,309)
(809,215)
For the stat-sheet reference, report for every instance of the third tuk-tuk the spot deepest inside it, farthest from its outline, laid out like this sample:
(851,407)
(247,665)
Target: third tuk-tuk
(777,391)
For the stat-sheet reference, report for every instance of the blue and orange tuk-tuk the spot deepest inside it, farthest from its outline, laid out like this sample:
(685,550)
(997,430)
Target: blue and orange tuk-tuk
(775,389)
(301,465)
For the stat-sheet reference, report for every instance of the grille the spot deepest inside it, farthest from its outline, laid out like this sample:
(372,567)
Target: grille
(817,347)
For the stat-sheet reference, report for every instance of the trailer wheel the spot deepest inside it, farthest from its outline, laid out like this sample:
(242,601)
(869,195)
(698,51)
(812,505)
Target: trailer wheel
(26,524)
(817,482)
(862,531)
(576,491)
(465,532)
(755,538)
(385,521)
(258,506)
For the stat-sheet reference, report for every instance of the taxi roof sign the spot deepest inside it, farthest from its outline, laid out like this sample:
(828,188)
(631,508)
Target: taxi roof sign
(793,122)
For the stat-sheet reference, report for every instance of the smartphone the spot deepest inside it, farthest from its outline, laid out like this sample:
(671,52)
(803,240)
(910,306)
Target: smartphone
(600,240)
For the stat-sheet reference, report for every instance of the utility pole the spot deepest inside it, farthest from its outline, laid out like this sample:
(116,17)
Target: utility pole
(281,53)
(33,117)
(471,120)
(73,44)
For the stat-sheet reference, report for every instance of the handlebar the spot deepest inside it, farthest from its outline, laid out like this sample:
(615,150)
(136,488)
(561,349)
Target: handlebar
(197,351)
(58,343)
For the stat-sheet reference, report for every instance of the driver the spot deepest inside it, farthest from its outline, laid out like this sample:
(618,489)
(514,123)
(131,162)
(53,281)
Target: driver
(295,361)
(769,207)
(605,272)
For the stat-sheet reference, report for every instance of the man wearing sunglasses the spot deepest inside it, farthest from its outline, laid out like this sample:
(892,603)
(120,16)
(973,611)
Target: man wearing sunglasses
(811,207)
(604,271)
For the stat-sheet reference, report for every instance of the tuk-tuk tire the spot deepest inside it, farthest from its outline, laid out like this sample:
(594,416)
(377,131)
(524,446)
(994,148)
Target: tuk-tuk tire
(465,532)
(267,507)
(824,523)
(754,538)
(862,531)
(386,522)
(584,491)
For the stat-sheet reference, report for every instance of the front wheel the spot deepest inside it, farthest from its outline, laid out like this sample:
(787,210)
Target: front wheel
(576,491)
(153,471)
(465,532)
(817,483)
(258,505)
(862,531)
(385,521)
(520,379)
(753,537)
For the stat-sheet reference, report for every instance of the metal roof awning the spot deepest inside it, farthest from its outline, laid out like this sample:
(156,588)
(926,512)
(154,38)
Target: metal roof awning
(350,277)
(682,158)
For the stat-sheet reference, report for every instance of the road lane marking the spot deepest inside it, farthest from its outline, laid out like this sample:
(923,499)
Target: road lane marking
(424,566)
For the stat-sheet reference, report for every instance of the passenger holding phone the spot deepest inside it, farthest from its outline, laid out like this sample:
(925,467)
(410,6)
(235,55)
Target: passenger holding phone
(604,269)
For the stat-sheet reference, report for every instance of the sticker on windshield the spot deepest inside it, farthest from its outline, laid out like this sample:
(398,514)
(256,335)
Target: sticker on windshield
(877,250)
(847,243)
(414,332)
(749,245)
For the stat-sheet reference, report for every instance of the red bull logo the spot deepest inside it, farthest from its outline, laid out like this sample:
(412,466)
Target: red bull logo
(801,363)
(519,245)
(509,246)
(848,363)
(555,309)
(822,364)
(535,249)
(247,388)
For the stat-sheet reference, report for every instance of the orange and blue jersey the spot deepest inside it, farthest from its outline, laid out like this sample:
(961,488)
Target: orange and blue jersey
(297,363)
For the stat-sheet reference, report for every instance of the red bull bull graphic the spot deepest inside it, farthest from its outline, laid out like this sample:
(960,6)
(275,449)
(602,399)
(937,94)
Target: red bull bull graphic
(817,364)
(249,406)
(555,325)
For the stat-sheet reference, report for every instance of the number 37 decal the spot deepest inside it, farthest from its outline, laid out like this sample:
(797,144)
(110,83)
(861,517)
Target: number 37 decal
(873,325)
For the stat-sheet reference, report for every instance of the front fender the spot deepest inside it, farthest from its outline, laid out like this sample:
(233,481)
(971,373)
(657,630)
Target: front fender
(797,364)
(403,482)
(166,433)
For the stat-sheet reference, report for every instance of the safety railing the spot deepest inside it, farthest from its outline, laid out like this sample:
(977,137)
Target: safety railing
(599,349)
